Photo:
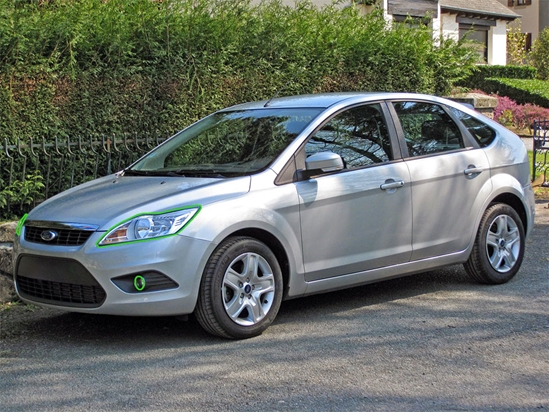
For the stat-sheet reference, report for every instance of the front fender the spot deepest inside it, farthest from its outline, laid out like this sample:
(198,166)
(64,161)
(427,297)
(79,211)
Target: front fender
(274,210)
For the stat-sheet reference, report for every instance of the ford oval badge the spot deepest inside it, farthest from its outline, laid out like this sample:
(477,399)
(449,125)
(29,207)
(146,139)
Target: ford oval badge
(48,235)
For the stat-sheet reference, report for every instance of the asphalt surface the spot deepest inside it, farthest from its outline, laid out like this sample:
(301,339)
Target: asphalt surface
(433,341)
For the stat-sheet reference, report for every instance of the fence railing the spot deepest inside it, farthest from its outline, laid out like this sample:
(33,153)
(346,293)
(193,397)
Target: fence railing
(541,150)
(65,163)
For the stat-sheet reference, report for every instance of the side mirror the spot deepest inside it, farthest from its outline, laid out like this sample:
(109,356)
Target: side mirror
(323,162)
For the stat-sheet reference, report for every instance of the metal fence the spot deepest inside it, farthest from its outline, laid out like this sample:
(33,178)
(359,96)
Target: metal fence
(540,145)
(68,162)
(64,163)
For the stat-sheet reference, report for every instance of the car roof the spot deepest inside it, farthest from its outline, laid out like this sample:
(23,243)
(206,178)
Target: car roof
(325,100)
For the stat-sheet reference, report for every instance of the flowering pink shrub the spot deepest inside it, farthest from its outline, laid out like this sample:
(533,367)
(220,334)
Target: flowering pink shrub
(534,112)
(509,113)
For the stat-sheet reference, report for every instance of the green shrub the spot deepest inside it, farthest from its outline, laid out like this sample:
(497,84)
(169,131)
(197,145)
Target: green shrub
(19,195)
(516,45)
(517,82)
(87,67)
(539,55)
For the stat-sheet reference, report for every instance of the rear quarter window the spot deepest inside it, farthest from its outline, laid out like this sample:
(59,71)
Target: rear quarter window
(482,133)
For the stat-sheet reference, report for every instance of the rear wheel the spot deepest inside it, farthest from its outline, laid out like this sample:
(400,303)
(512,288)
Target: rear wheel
(241,289)
(499,246)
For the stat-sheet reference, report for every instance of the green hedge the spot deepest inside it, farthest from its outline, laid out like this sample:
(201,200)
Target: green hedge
(527,90)
(516,82)
(133,66)
(483,76)
(510,72)
(523,91)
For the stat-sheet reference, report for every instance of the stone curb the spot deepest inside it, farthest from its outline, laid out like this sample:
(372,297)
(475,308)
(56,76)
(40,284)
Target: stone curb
(7,291)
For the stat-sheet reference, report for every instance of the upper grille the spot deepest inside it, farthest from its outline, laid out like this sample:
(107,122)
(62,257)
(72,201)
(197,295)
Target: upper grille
(65,237)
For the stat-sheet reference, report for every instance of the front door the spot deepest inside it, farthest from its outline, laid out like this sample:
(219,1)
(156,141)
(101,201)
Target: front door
(361,217)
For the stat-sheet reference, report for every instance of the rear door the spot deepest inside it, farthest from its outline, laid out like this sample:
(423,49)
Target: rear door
(448,174)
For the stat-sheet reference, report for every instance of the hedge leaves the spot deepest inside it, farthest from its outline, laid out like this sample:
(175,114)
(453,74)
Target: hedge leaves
(89,67)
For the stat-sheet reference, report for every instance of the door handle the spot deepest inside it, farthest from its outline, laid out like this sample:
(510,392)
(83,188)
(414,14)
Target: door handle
(391,184)
(473,170)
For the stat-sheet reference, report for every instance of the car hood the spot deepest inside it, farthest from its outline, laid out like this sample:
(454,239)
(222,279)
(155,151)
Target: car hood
(101,201)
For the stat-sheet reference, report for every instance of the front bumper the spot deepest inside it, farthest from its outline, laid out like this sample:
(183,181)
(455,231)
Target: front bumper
(94,279)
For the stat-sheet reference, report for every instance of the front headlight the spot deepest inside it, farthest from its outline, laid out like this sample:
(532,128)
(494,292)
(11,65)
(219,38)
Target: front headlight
(149,226)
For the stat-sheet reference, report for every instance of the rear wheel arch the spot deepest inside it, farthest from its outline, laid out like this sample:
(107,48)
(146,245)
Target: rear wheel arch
(514,201)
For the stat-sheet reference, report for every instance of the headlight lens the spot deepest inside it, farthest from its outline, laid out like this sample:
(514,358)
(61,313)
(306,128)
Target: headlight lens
(149,226)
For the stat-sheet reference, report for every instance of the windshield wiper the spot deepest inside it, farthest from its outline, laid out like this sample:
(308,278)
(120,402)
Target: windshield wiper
(174,173)
(131,172)
(153,173)
(198,173)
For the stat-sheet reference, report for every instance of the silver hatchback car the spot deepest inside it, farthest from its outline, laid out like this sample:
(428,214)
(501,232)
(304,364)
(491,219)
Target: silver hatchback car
(279,199)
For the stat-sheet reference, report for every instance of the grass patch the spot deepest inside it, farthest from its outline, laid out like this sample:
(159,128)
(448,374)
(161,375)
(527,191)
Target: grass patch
(540,158)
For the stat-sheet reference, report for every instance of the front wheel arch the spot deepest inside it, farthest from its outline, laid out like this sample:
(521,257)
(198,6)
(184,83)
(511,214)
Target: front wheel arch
(276,247)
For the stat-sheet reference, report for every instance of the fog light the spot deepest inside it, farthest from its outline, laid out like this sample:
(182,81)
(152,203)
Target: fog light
(144,282)
(139,283)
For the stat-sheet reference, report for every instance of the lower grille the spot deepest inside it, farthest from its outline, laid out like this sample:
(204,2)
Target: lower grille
(57,281)
(61,293)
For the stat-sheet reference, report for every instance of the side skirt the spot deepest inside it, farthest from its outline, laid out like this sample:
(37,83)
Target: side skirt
(385,273)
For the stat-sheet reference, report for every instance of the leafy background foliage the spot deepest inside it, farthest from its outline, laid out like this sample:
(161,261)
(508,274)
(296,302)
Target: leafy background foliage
(539,55)
(86,67)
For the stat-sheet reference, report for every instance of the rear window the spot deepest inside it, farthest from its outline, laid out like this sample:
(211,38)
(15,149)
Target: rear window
(482,133)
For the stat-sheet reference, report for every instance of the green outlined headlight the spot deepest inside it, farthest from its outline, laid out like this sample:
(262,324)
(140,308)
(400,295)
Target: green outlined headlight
(20,224)
(149,226)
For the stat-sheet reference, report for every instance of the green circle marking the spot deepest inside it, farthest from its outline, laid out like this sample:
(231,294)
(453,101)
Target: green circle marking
(139,283)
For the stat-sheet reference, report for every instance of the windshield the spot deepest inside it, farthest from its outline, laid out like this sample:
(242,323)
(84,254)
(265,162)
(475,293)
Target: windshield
(227,144)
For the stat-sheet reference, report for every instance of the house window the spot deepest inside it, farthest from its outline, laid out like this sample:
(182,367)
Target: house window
(511,3)
(479,35)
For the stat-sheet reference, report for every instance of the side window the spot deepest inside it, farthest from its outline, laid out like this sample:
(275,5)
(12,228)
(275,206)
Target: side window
(359,135)
(483,133)
(427,128)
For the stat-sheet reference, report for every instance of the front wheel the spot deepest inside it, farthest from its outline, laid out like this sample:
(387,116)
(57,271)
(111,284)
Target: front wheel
(499,246)
(241,289)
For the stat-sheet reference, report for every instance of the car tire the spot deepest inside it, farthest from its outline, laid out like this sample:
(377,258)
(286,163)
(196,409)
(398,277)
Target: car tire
(241,289)
(499,246)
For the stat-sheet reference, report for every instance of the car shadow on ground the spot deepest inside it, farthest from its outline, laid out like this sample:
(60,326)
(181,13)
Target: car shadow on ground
(28,322)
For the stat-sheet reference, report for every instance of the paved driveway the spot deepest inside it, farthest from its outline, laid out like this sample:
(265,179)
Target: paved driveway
(434,341)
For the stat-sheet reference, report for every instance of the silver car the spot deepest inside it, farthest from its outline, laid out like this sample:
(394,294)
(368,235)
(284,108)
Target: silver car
(278,199)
